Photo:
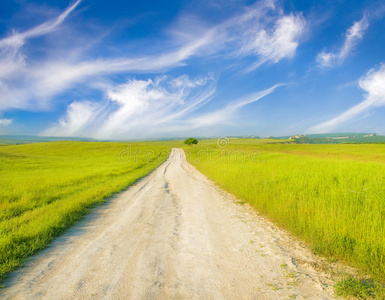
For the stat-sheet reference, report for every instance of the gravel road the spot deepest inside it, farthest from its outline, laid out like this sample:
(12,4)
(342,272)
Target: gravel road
(173,235)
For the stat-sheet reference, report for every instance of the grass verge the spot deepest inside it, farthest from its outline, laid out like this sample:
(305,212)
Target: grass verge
(360,288)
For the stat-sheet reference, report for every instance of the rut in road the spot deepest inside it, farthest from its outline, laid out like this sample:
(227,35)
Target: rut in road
(173,235)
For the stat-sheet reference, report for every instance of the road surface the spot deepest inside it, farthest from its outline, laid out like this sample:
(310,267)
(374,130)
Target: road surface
(173,235)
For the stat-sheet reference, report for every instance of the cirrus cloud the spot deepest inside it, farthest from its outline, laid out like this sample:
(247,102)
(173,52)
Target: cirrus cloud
(373,83)
(136,107)
(5,122)
(352,37)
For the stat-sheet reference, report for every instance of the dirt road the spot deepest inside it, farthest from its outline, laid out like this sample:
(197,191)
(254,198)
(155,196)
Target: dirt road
(173,235)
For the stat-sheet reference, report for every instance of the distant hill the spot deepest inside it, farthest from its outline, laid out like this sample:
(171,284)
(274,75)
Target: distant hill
(338,138)
(370,139)
(341,135)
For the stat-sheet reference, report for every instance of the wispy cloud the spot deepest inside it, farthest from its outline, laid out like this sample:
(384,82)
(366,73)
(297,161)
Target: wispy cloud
(12,60)
(373,83)
(227,114)
(261,31)
(5,122)
(77,121)
(136,107)
(352,37)
(17,79)
(17,40)
(275,43)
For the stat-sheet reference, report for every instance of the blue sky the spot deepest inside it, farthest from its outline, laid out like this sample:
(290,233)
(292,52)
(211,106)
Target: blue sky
(148,69)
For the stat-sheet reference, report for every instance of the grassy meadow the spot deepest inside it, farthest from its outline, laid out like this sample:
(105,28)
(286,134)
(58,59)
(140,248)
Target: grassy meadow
(331,196)
(47,187)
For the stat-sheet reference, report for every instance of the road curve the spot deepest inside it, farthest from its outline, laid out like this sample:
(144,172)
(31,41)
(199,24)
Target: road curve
(173,235)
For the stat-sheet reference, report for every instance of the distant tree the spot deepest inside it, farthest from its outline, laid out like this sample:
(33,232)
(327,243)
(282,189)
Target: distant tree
(191,141)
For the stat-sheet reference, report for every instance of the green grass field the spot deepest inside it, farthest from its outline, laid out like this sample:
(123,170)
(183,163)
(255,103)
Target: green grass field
(331,196)
(47,187)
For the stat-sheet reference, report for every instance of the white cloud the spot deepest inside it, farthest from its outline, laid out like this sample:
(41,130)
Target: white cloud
(17,80)
(352,37)
(17,40)
(136,108)
(78,117)
(5,122)
(227,114)
(373,83)
(276,43)
(262,31)
(12,60)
